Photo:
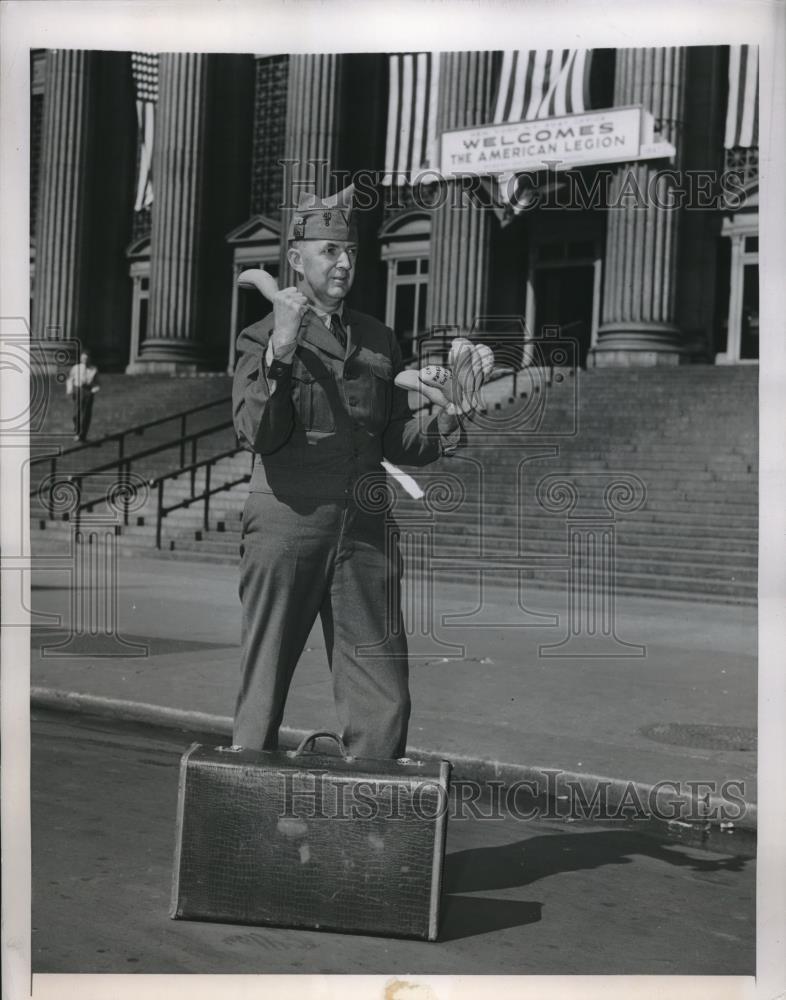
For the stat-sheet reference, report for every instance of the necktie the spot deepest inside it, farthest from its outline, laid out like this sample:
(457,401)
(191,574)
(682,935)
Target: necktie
(338,330)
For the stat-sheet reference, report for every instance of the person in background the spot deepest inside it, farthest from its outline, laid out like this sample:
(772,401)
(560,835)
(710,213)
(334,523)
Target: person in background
(81,386)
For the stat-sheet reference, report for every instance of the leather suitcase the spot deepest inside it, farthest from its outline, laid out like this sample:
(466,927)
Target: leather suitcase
(310,840)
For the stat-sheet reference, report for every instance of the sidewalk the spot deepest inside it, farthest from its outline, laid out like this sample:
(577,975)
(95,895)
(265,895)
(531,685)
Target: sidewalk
(482,694)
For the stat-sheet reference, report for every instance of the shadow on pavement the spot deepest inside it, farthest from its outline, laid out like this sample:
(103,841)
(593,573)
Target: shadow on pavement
(525,861)
(466,916)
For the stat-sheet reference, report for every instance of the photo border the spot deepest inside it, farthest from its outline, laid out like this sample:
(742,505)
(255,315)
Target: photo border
(310,25)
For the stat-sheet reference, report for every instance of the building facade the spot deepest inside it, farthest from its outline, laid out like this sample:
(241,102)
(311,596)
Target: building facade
(156,178)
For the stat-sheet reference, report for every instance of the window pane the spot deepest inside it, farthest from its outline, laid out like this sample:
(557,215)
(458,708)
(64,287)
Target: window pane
(749,334)
(143,300)
(424,265)
(422,308)
(751,244)
(404,318)
(407,267)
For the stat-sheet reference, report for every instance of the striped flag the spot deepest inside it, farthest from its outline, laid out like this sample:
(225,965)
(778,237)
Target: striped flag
(412,115)
(537,83)
(144,66)
(545,83)
(742,118)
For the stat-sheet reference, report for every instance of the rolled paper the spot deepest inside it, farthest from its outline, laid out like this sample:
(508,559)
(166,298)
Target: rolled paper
(404,478)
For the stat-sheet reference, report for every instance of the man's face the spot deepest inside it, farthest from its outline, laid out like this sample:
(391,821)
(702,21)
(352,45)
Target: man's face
(327,268)
(84,358)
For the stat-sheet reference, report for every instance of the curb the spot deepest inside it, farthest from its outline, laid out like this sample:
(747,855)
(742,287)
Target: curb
(543,784)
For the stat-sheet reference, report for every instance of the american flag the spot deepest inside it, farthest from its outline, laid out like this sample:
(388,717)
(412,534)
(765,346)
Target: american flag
(543,83)
(144,66)
(742,120)
(537,83)
(412,115)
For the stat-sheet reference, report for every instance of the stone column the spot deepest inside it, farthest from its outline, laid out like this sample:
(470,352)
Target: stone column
(179,153)
(638,322)
(59,299)
(312,133)
(461,234)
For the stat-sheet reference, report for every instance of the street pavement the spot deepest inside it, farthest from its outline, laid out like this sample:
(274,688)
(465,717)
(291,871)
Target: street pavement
(486,693)
(534,897)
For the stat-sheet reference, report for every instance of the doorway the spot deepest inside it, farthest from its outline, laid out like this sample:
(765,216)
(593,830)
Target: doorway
(564,285)
(564,299)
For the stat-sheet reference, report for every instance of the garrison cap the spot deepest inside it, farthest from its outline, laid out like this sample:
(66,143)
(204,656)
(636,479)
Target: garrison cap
(324,218)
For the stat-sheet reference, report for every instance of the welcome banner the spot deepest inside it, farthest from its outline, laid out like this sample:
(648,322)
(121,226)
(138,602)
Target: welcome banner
(609,136)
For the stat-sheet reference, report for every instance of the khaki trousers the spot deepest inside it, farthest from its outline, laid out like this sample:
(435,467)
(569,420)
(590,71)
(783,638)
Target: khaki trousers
(302,558)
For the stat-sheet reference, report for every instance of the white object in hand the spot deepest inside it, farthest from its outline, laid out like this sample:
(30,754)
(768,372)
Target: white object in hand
(404,478)
(263,282)
(438,376)
(413,380)
(459,384)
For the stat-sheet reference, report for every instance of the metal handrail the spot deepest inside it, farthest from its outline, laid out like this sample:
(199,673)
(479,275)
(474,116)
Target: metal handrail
(136,430)
(162,511)
(159,481)
(123,465)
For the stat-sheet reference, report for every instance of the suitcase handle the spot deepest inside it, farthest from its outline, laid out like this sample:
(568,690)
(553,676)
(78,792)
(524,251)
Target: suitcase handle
(315,736)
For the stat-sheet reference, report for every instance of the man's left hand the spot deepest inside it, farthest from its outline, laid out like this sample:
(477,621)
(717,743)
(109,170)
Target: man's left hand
(455,390)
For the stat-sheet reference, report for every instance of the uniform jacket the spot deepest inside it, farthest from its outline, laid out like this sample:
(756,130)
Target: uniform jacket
(331,419)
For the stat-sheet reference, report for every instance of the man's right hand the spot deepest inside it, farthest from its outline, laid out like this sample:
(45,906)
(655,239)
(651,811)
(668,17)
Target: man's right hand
(289,307)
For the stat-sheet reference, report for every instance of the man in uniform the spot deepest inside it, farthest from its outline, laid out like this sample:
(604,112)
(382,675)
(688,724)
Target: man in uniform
(314,399)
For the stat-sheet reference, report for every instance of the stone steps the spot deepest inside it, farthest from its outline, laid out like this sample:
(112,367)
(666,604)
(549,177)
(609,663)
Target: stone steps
(127,400)
(688,433)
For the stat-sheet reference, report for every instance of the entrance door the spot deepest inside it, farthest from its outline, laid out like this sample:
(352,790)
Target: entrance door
(563,298)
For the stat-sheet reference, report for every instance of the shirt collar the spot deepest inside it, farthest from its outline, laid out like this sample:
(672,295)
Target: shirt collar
(326,316)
